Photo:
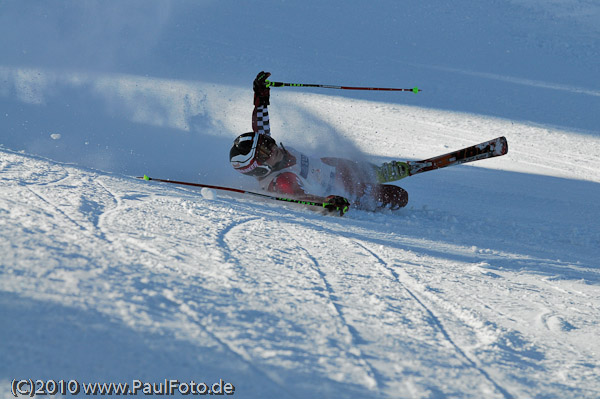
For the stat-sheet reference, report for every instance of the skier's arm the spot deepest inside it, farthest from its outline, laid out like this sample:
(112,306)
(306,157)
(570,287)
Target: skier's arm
(289,184)
(260,115)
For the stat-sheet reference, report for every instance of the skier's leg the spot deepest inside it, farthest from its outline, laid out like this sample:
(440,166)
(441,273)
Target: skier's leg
(353,176)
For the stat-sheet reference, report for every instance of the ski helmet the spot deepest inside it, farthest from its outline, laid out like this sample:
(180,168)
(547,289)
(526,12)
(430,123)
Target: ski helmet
(249,153)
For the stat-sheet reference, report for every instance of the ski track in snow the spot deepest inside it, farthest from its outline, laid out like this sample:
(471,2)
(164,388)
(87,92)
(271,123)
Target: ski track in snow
(524,82)
(350,334)
(435,320)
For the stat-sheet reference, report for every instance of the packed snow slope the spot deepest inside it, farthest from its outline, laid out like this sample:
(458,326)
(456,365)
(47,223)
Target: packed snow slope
(486,285)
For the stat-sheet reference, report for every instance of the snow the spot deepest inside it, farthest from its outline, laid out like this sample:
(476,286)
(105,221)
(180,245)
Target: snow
(486,285)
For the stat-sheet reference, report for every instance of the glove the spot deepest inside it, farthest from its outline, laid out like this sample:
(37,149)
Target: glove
(261,90)
(336,203)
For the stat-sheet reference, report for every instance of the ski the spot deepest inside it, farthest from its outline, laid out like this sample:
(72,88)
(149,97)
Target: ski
(396,170)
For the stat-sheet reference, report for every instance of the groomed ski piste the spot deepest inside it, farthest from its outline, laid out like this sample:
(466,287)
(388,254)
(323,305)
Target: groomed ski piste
(484,286)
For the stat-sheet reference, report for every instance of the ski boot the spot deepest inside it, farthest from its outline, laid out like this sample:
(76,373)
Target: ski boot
(390,197)
(391,171)
(381,196)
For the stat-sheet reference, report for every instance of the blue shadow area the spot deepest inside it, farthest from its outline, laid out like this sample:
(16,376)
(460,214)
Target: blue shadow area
(447,49)
(53,341)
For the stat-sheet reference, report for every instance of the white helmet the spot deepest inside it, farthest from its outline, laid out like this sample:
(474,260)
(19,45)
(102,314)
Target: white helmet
(249,153)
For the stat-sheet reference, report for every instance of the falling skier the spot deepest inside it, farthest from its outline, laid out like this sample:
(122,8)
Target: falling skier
(320,181)
(290,172)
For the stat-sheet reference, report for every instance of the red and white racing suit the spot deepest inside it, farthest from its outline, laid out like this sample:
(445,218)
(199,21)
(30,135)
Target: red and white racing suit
(303,176)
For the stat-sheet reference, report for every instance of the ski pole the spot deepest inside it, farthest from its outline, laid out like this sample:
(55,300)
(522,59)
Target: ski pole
(237,190)
(283,84)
